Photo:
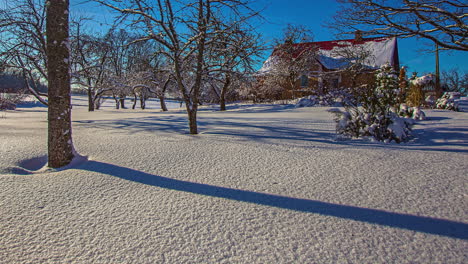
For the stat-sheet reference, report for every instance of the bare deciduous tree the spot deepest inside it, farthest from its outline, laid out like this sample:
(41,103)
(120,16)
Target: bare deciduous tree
(232,57)
(442,22)
(184,29)
(60,145)
(23,43)
(454,80)
(89,59)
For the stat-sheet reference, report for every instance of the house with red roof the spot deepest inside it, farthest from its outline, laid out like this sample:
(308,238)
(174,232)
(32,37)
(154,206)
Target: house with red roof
(334,62)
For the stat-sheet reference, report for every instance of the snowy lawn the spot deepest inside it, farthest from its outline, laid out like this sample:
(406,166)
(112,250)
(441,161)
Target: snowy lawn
(259,184)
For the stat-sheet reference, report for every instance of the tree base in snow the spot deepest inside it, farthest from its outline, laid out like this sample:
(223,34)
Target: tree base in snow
(39,165)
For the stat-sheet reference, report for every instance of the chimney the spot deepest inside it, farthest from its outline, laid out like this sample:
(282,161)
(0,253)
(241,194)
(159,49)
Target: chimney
(358,35)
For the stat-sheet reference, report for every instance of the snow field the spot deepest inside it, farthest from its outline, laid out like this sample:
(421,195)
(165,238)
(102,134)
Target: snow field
(259,184)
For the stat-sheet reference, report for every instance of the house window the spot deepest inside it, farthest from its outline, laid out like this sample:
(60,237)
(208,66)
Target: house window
(304,81)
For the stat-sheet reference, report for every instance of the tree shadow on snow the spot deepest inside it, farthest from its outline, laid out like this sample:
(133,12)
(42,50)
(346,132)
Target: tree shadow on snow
(423,224)
(453,139)
(256,129)
(134,125)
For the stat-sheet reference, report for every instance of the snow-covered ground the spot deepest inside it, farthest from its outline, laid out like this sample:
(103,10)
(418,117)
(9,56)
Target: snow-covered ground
(259,184)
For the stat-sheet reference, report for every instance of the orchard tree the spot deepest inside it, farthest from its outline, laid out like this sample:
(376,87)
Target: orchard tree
(454,80)
(184,29)
(232,57)
(60,145)
(23,43)
(89,60)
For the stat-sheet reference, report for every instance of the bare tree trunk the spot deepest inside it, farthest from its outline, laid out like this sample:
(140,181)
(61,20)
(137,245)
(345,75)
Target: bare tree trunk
(162,101)
(192,115)
(134,100)
(222,97)
(90,100)
(122,102)
(97,102)
(60,145)
(117,103)
(142,102)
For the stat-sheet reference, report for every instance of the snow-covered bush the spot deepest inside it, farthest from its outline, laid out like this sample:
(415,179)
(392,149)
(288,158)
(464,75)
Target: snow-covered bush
(447,101)
(411,112)
(307,101)
(374,114)
(389,127)
(430,101)
(415,95)
(423,80)
(332,98)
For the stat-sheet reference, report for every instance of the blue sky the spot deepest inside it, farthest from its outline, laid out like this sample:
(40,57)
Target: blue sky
(314,14)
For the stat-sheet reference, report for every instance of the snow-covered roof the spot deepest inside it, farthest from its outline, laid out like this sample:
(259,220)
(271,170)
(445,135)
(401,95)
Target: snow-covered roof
(423,80)
(334,54)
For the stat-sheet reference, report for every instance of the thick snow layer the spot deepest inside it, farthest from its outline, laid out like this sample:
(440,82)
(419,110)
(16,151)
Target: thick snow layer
(378,53)
(423,80)
(259,184)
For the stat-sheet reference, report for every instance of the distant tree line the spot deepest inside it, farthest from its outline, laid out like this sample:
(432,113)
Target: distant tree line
(11,82)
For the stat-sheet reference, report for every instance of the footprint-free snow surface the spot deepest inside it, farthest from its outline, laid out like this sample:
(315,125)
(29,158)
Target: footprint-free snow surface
(259,184)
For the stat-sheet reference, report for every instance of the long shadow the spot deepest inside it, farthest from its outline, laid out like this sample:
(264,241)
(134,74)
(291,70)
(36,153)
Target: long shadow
(257,131)
(260,129)
(250,108)
(423,224)
(170,123)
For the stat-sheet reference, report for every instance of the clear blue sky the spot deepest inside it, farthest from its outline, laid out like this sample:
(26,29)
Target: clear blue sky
(314,14)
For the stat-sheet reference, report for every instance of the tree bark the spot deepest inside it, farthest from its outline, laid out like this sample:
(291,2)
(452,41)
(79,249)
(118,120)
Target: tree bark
(97,102)
(192,115)
(122,102)
(162,101)
(222,97)
(142,102)
(134,100)
(90,100)
(60,145)
(117,103)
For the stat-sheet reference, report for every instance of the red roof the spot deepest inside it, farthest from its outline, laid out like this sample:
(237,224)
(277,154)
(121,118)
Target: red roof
(382,50)
(329,45)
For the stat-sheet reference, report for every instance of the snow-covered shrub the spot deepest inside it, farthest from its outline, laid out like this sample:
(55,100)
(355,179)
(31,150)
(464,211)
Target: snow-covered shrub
(430,101)
(418,114)
(307,101)
(331,98)
(423,80)
(411,112)
(447,101)
(374,114)
(385,128)
(415,95)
